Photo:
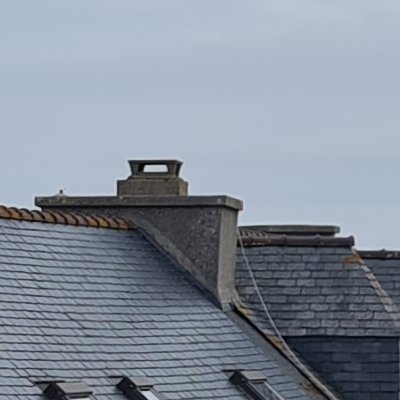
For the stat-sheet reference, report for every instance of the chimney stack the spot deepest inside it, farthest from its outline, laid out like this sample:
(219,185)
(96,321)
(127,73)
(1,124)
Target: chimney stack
(198,232)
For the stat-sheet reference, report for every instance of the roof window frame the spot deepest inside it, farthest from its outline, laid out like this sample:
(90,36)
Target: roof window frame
(67,390)
(249,382)
(135,388)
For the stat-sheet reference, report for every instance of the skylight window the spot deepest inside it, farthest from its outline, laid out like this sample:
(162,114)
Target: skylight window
(68,391)
(255,385)
(138,389)
(149,395)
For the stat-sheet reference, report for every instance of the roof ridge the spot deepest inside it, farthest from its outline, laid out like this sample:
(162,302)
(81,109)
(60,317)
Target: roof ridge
(379,254)
(256,237)
(64,218)
(295,229)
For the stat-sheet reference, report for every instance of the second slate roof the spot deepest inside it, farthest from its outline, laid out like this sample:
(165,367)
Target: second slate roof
(386,267)
(87,303)
(314,287)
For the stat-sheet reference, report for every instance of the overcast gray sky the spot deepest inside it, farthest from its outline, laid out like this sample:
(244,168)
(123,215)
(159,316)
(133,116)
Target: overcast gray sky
(291,105)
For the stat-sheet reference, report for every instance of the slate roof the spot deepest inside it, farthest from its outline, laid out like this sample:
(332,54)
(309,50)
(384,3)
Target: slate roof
(78,302)
(313,285)
(386,267)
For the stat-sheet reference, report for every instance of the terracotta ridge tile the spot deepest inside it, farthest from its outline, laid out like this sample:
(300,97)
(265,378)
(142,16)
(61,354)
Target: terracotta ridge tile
(63,218)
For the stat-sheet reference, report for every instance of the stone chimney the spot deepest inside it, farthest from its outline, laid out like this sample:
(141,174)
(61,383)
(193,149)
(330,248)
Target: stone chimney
(198,232)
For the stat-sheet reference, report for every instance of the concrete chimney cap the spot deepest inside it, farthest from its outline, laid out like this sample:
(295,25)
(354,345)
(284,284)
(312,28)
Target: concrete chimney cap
(169,168)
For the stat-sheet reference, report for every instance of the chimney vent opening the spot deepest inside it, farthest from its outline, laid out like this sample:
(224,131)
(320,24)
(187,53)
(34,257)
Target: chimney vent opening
(155,168)
(159,168)
(153,178)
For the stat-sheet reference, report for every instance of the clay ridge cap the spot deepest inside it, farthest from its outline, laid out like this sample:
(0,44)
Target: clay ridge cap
(75,219)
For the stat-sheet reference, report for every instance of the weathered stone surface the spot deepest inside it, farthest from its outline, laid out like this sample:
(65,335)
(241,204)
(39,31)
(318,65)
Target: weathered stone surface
(154,187)
(198,232)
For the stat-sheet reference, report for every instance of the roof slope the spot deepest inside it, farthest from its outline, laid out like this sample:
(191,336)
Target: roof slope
(86,303)
(386,267)
(313,286)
